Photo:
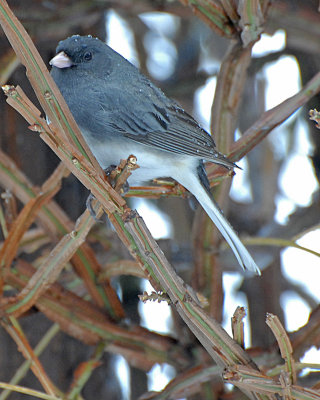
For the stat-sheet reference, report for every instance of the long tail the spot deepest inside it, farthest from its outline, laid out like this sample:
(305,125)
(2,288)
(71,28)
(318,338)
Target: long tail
(194,185)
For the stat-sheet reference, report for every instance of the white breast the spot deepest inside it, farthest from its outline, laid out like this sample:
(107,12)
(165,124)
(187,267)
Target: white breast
(152,163)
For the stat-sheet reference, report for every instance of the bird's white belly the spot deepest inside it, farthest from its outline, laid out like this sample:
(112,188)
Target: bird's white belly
(152,163)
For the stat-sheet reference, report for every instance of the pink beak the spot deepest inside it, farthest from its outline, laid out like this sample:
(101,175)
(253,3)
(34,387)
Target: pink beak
(61,60)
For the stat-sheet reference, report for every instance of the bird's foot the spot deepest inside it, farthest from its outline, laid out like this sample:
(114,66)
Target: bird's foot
(117,176)
(90,208)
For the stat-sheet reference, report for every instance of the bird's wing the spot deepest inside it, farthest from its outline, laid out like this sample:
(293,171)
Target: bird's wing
(155,121)
(184,135)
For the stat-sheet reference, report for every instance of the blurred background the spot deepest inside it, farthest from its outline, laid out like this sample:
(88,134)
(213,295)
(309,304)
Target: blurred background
(274,196)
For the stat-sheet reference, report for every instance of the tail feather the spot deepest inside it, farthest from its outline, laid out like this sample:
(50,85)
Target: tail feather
(194,185)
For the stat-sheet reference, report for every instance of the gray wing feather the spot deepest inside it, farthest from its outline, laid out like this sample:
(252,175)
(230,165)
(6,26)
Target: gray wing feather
(151,119)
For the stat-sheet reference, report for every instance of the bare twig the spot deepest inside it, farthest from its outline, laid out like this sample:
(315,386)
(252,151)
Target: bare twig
(13,328)
(284,345)
(244,378)
(237,325)
(40,347)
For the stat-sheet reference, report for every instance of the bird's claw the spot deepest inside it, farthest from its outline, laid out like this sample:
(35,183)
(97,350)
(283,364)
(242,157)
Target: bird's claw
(113,173)
(90,208)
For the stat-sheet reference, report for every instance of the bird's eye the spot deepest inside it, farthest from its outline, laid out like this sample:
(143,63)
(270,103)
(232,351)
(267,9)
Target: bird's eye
(87,56)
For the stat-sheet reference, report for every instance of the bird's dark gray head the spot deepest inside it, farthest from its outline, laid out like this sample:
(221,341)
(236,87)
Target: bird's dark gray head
(83,55)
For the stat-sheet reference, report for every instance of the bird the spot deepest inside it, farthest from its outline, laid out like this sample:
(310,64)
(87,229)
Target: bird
(121,112)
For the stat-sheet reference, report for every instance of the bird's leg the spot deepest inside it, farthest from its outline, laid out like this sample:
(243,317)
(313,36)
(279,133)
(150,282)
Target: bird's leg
(89,206)
(91,197)
(117,176)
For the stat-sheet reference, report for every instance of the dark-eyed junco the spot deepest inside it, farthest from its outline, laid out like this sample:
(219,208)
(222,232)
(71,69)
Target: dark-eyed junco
(121,112)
